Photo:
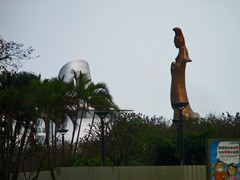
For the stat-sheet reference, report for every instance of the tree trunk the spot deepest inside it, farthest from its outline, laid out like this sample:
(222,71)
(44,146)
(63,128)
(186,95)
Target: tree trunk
(78,134)
(73,134)
(16,168)
(48,148)
(89,133)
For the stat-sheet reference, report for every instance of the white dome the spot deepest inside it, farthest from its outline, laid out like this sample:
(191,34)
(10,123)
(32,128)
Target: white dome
(78,65)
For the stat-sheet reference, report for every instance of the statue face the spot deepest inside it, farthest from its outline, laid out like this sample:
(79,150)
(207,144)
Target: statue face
(178,41)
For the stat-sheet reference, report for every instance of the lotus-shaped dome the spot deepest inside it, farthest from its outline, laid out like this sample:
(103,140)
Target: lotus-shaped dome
(66,72)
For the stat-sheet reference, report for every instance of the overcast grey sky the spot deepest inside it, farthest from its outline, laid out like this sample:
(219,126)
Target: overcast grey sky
(128,44)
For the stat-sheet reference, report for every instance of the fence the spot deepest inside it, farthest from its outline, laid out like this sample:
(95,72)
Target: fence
(196,172)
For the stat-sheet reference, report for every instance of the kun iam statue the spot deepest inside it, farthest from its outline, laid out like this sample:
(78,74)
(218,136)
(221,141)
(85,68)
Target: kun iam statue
(178,87)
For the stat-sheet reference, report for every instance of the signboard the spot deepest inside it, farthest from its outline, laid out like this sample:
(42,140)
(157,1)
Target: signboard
(223,159)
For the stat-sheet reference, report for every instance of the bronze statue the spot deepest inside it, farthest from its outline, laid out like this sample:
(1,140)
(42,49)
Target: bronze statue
(178,87)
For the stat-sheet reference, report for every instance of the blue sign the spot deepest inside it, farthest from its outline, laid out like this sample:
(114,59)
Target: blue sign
(224,162)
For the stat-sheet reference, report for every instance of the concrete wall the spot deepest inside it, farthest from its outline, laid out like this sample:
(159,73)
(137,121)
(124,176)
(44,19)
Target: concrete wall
(126,173)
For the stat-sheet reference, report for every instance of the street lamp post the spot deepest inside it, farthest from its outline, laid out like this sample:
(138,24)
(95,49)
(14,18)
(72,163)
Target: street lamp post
(63,132)
(180,107)
(102,115)
(177,122)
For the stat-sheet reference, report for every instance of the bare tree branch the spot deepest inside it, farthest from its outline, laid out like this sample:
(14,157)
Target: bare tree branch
(11,54)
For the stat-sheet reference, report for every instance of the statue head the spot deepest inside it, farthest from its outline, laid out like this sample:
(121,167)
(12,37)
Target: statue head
(179,38)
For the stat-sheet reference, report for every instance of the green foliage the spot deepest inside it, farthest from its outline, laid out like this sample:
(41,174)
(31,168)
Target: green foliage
(167,152)
(130,139)
(133,139)
(80,161)
(25,98)
(18,118)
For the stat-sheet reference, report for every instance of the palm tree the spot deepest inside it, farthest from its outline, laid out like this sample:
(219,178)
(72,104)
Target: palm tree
(86,94)
(44,94)
(60,101)
(17,111)
(53,99)
(79,84)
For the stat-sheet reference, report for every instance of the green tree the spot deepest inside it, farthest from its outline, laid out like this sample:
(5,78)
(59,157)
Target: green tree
(130,139)
(124,135)
(18,120)
(167,152)
(52,101)
(87,95)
